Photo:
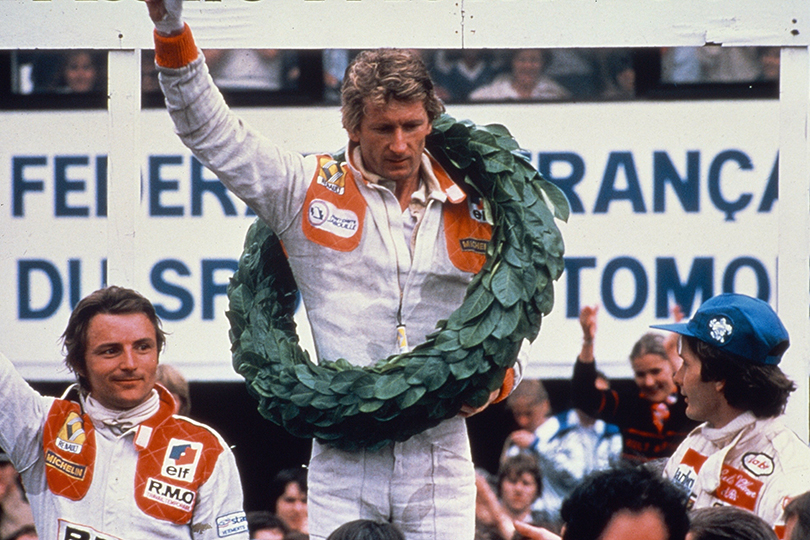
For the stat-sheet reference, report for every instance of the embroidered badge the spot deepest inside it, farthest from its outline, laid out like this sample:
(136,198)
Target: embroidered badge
(331,177)
(180,460)
(326,216)
(475,245)
(169,494)
(230,524)
(71,436)
(720,329)
(758,464)
(74,470)
(71,531)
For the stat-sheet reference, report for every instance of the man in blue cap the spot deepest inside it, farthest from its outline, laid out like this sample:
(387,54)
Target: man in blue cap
(742,455)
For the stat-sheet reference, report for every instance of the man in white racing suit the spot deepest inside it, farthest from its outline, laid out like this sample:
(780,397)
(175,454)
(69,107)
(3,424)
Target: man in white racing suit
(110,460)
(382,246)
(742,455)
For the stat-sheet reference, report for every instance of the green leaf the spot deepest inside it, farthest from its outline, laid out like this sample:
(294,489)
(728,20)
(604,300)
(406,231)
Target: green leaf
(432,375)
(507,285)
(390,386)
(476,333)
(507,323)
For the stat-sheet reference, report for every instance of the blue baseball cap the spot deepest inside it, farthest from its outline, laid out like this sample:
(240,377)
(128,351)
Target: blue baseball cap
(745,327)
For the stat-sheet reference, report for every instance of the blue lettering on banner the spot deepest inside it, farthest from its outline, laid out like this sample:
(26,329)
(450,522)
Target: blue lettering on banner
(43,286)
(160,284)
(67,180)
(668,284)
(157,185)
(567,171)
(198,185)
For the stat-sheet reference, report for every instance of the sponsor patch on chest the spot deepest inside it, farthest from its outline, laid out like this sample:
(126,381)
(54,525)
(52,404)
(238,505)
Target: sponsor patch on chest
(332,178)
(327,217)
(758,464)
(169,494)
(181,459)
(71,436)
(73,470)
(74,531)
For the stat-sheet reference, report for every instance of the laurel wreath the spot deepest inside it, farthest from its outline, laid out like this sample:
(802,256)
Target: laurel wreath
(462,361)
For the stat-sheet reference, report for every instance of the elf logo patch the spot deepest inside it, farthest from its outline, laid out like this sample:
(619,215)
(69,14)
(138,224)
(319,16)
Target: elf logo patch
(169,494)
(758,464)
(180,461)
(71,435)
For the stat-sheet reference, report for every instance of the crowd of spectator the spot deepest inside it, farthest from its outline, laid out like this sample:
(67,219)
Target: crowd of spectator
(463,75)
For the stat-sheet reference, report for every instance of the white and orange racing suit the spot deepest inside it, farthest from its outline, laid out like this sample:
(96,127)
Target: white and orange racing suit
(166,477)
(364,269)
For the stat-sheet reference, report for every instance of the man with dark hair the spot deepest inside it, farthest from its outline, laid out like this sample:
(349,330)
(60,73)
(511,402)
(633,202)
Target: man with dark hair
(742,455)
(797,518)
(382,244)
(620,504)
(727,523)
(110,459)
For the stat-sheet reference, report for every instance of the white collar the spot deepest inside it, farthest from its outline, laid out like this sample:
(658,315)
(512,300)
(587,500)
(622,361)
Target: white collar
(120,421)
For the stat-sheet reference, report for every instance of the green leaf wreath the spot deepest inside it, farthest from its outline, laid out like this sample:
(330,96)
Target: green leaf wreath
(462,361)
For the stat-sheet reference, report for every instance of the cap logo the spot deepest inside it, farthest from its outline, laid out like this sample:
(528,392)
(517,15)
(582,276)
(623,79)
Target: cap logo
(720,329)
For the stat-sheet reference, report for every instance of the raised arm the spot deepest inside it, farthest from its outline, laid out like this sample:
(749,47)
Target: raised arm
(587,320)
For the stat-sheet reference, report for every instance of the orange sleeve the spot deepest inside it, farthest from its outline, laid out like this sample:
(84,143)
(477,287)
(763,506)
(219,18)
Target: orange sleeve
(507,385)
(175,51)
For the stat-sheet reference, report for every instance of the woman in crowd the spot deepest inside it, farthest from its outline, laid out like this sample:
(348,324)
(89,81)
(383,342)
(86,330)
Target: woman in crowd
(651,417)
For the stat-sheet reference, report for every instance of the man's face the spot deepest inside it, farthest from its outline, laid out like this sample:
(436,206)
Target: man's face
(292,507)
(703,398)
(653,376)
(392,139)
(529,414)
(648,524)
(121,359)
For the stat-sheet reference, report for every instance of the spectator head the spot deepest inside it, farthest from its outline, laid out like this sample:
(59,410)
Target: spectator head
(108,301)
(79,72)
(728,523)
(520,483)
(652,368)
(529,404)
(737,342)
(173,380)
(376,78)
(366,529)
(797,518)
(263,525)
(528,65)
(607,504)
(288,497)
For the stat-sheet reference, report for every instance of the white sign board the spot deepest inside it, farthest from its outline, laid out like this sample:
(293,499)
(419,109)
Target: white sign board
(671,203)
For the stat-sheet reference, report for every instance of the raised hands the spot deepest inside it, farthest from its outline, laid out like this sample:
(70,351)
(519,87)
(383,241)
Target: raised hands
(167,16)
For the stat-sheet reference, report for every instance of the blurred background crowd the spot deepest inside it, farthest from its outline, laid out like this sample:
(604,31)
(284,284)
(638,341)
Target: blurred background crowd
(267,77)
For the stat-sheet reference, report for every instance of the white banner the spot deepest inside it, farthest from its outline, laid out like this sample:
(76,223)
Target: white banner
(303,24)
(672,202)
